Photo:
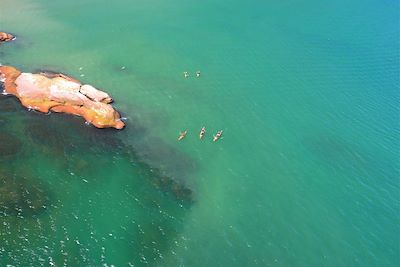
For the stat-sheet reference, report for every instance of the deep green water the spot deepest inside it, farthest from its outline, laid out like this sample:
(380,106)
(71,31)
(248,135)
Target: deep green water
(307,173)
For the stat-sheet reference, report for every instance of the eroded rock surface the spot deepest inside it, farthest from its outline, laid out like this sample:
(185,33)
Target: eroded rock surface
(46,92)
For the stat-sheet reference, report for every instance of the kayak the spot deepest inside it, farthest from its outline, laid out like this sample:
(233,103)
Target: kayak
(202,132)
(217,136)
(182,135)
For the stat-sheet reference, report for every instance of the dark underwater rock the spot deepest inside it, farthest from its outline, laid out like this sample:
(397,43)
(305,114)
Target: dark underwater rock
(8,104)
(47,136)
(9,145)
(21,195)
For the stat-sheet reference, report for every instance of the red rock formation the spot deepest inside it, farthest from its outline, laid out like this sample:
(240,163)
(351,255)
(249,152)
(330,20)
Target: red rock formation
(46,92)
(5,37)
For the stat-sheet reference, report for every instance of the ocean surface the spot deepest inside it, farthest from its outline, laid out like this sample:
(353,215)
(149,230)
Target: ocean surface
(307,172)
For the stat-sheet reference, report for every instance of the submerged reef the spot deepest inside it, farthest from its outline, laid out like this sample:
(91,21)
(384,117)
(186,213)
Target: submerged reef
(57,92)
(73,147)
(21,195)
(9,145)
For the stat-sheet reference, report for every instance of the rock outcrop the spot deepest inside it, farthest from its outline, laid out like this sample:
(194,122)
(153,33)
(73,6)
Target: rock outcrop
(6,37)
(46,92)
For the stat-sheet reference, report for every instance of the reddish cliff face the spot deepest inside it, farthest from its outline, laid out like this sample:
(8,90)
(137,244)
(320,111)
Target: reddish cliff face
(46,92)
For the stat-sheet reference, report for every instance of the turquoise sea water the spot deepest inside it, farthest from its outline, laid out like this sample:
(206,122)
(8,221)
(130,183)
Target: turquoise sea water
(306,174)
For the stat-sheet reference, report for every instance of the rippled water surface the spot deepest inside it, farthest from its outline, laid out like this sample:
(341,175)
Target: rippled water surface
(307,171)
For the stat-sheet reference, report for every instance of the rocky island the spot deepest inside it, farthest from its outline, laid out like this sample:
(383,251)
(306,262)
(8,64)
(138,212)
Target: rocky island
(6,37)
(57,92)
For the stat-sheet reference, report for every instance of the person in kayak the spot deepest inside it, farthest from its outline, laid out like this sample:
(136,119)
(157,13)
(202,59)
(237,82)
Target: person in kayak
(182,135)
(217,136)
(202,132)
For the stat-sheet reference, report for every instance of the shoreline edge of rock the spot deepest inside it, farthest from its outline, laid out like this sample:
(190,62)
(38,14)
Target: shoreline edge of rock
(45,92)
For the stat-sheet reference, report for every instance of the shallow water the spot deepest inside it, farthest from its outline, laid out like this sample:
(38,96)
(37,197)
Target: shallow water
(306,174)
